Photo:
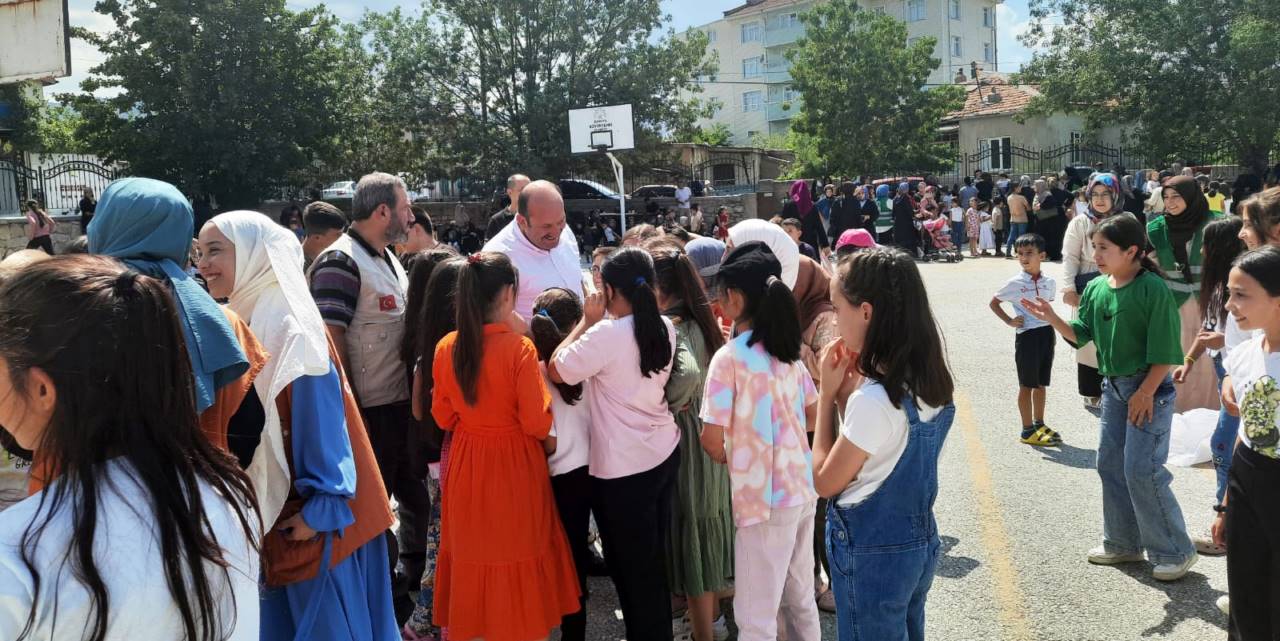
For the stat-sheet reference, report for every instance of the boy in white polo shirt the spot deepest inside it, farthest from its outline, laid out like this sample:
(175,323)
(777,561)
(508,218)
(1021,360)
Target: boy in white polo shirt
(1035,341)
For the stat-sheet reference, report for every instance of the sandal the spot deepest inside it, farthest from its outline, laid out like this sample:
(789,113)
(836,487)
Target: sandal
(1043,437)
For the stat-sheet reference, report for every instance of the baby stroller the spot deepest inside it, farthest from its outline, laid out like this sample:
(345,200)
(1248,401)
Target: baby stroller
(936,241)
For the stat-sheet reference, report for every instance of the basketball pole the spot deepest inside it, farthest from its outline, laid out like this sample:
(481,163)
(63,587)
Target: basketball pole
(622,195)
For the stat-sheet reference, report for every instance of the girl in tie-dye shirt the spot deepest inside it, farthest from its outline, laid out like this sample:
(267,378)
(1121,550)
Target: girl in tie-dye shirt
(759,403)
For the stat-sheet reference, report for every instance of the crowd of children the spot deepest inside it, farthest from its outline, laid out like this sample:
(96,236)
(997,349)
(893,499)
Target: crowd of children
(715,408)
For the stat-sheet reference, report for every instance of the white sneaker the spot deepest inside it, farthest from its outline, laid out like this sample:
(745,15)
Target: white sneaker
(720,629)
(1174,571)
(1224,604)
(1100,556)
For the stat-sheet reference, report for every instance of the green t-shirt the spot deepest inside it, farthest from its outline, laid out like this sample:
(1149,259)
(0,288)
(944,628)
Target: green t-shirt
(1134,327)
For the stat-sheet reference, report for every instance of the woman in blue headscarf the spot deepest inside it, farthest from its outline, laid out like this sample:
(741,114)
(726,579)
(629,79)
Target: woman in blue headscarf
(149,225)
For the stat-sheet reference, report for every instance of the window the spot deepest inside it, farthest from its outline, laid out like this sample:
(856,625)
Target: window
(751,32)
(752,135)
(988,18)
(1001,154)
(880,10)
(752,101)
(790,94)
(915,10)
(986,52)
(711,35)
(953,9)
(752,67)
(1077,142)
(955,47)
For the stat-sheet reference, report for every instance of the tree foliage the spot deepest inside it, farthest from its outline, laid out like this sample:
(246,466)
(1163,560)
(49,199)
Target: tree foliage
(37,125)
(223,97)
(482,87)
(865,109)
(717,135)
(1196,75)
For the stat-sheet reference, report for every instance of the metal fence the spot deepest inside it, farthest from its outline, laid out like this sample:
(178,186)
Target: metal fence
(57,184)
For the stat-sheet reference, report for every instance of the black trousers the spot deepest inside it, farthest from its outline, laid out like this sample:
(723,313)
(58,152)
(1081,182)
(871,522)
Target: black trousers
(634,516)
(573,500)
(1088,381)
(1253,544)
(41,242)
(388,427)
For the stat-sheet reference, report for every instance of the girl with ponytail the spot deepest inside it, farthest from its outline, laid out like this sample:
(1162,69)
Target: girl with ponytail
(1132,317)
(759,404)
(633,460)
(488,391)
(701,554)
(555,312)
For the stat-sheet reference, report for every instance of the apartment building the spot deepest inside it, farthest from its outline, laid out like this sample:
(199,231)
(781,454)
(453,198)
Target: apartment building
(752,83)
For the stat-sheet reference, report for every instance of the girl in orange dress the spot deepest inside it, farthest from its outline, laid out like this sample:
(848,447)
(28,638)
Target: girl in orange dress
(505,572)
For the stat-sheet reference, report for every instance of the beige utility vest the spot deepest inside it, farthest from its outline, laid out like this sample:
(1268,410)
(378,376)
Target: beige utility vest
(373,338)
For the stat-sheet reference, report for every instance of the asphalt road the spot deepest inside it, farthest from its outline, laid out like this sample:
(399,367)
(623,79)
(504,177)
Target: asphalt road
(1017,522)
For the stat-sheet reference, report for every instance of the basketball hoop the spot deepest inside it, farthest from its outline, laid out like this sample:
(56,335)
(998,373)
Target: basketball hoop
(604,130)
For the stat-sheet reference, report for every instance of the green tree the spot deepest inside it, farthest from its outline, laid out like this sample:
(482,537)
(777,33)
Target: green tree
(718,135)
(37,125)
(222,97)
(1195,76)
(480,88)
(864,107)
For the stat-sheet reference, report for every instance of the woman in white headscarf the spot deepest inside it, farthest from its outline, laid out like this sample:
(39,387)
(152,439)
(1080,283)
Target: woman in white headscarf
(325,558)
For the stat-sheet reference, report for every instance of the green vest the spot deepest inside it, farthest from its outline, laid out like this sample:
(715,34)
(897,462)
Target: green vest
(1179,285)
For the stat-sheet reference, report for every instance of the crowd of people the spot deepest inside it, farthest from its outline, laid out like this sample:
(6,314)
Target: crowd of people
(728,409)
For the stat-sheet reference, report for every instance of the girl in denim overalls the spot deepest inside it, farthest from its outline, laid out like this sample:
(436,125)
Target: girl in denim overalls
(884,411)
(1134,322)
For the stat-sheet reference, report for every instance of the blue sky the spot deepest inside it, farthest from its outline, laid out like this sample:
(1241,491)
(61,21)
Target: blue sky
(1012,16)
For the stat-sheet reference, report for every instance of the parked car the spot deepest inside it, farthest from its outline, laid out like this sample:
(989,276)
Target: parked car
(342,189)
(654,191)
(577,189)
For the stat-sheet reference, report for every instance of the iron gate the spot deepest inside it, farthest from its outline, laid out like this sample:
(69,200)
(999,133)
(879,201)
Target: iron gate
(58,187)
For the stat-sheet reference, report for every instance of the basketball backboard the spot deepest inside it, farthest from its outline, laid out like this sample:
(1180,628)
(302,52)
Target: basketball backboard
(601,129)
(35,40)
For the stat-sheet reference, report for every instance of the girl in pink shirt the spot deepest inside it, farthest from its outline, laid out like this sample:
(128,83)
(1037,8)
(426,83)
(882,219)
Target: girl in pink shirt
(634,458)
(39,228)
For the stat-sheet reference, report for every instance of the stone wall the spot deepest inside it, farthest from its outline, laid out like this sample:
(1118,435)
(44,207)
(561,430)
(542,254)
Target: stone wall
(13,233)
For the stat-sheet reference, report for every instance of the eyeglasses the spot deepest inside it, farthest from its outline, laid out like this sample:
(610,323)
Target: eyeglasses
(1102,195)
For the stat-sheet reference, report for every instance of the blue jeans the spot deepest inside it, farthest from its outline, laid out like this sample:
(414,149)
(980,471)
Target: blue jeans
(1139,510)
(957,233)
(1223,441)
(884,550)
(1015,230)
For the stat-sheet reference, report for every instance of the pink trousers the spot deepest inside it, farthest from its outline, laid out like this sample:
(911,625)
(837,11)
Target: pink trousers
(773,578)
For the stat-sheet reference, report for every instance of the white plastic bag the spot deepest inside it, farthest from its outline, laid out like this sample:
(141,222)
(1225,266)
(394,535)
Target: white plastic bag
(1189,437)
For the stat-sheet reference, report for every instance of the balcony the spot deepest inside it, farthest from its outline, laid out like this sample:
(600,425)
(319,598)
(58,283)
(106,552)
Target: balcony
(777,36)
(774,110)
(777,69)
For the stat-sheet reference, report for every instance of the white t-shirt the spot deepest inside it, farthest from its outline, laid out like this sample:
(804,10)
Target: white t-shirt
(127,554)
(571,425)
(1024,286)
(957,215)
(1082,208)
(14,473)
(683,195)
(1233,336)
(872,423)
(632,430)
(1255,378)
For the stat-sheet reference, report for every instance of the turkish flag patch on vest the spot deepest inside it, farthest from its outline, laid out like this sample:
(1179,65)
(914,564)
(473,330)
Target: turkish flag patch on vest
(387,303)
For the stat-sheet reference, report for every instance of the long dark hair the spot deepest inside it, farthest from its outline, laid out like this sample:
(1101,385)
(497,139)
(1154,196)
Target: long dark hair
(1221,245)
(769,304)
(420,266)
(678,279)
(1263,264)
(109,339)
(1124,231)
(555,312)
(629,271)
(35,208)
(482,277)
(437,317)
(889,280)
